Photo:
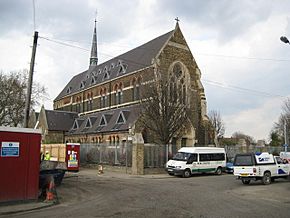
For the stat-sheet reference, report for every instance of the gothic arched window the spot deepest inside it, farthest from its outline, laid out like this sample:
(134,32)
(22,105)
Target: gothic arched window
(103,100)
(136,88)
(119,93)
(178,87)
(89,101)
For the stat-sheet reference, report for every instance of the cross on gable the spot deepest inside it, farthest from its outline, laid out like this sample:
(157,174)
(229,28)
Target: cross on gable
(177,20)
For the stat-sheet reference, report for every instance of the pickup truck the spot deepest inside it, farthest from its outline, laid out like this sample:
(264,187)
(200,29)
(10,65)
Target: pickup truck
(262,166)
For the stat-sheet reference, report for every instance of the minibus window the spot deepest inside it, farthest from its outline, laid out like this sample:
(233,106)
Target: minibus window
(192,158)
(181,156)
(212,157)
(204,157)
(218,157)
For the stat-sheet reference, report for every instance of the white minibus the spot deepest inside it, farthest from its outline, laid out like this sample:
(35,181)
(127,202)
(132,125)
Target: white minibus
(189,160)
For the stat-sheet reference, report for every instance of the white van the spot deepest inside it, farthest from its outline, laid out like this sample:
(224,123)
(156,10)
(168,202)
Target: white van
(189,160)
(260,166)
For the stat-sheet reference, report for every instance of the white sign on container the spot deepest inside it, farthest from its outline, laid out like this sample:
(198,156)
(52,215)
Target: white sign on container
(10,149)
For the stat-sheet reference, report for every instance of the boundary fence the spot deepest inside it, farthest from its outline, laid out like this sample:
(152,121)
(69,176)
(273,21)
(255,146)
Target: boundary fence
(233,150)
(111,154)
(120,154)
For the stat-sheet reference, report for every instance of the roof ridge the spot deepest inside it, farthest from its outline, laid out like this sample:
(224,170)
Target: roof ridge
(61,111)
(112,111)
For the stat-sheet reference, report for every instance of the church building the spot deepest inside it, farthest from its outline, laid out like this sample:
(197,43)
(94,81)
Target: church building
(107,96)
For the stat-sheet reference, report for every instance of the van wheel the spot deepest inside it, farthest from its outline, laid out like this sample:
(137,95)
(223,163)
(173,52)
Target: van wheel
(246,181)
(218,171)
(186,173)
(266,179)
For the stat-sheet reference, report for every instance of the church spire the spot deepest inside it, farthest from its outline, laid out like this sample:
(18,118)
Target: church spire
(94,50)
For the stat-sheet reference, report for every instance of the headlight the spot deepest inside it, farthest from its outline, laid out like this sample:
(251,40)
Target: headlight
(178,167)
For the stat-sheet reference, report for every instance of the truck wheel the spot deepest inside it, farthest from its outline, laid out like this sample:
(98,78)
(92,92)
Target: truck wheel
(266,179)
(186,173)
(246,181)
(218,171)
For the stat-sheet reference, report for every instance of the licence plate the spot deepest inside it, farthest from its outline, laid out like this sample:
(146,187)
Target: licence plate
(244,174)
(170,170)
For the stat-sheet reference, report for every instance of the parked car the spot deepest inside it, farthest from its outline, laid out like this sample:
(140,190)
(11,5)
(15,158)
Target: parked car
(230,165)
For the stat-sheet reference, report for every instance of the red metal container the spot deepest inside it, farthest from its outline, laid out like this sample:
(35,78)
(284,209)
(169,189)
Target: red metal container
(19,163)
(72,156)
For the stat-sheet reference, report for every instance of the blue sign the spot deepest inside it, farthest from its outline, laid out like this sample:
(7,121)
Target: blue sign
(285,145)
(10,149)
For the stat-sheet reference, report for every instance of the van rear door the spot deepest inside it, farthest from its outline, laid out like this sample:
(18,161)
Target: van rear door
(243,165)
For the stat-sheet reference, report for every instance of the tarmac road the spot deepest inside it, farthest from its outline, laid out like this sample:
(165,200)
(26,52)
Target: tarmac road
(118,195)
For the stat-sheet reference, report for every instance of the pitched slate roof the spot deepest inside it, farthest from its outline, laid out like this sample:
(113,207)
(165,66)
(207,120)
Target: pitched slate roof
(131,114)
(60,120)
(135,59)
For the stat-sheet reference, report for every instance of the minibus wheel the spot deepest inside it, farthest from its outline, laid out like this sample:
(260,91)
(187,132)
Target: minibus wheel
(186,173)
(218,171)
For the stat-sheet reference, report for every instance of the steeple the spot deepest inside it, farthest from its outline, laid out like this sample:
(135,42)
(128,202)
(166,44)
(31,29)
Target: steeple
(94,50)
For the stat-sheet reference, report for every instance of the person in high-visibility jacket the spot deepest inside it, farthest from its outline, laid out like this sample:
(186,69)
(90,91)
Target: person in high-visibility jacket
(47,156)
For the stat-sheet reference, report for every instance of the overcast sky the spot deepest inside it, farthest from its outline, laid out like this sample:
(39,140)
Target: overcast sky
(245,67)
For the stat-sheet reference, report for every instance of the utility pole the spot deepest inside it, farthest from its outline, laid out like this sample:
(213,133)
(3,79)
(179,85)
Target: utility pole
(285,135)
(30,80)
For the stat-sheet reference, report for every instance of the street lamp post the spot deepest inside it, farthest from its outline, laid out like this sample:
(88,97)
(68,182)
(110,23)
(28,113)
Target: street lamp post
(285,40)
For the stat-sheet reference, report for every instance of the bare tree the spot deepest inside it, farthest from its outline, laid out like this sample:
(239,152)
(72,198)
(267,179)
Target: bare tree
(240,135)
(12,97)
(279,126)
(164,112)
(217,123)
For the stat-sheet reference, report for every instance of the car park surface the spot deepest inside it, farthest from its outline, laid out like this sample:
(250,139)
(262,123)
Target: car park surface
(87,194)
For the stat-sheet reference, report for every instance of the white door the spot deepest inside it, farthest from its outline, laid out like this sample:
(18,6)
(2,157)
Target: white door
(283,168)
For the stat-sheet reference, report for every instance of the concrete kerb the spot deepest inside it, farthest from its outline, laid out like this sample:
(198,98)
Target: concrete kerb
(10,208)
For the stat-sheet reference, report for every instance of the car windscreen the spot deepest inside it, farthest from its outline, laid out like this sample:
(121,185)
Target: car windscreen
(182,156)
(243,160)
